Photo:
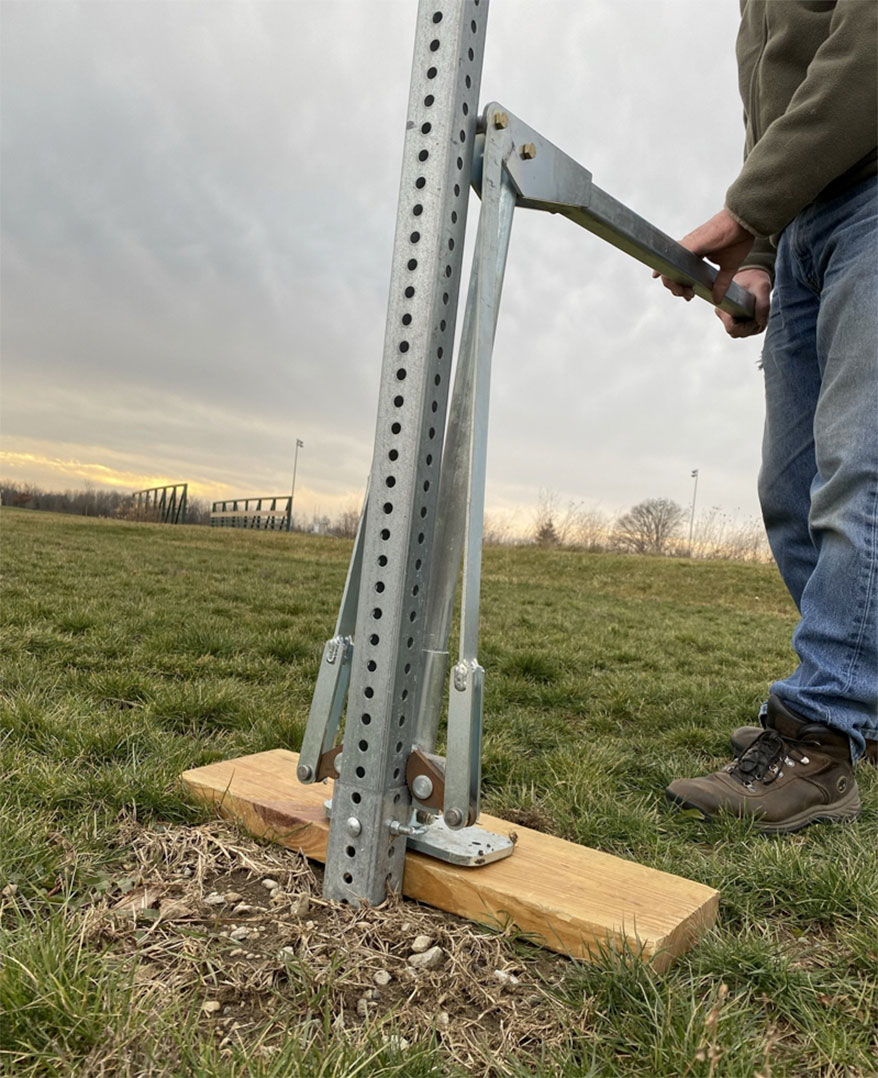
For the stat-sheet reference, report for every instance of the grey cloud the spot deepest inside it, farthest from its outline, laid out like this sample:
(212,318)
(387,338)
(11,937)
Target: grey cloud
(198,212)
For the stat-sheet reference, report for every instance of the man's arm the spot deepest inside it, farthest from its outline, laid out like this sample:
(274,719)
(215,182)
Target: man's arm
(827,128)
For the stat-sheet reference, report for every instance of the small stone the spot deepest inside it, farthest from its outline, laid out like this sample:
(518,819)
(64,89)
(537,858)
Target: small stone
(443,1021)
(406,926)
(243,908)
(233,896)
(363,1007)
(9,890)
(278,897)
(310,925)
(270,885)
(421,944)
(300,906)
(241,933)
(287,952)
(382,978)
(236,952)
(503,976)
(431,959)
(397,1043)
(215,900)
(211,1006)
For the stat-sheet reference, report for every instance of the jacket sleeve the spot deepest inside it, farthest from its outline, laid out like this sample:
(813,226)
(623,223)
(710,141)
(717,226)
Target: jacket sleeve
(827,128)
(762,255)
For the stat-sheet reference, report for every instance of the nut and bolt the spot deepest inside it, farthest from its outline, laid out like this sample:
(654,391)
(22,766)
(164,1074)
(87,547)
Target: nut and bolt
(501,120)
(528,151)
(304,773)
(336,763)
(454,817)
(422,787)
(397,828)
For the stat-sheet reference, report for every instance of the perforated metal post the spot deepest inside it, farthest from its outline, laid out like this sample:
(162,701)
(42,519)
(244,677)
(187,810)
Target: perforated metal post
(370,799)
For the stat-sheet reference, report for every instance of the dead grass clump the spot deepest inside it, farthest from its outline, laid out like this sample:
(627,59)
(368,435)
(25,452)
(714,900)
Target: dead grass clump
(217,923)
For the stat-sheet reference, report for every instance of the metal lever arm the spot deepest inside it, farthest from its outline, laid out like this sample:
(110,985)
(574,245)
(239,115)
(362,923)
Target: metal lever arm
(547,179)
(463,763)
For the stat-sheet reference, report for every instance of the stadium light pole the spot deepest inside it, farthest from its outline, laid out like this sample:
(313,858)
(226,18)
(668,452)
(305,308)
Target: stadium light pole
(692,513)
(299,445)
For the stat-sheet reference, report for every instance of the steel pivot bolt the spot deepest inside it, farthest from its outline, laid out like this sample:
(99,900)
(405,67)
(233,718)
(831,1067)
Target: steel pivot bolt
(422,787)
(528,151)
(354,826)
(454,817)
(501,120)
(304,773)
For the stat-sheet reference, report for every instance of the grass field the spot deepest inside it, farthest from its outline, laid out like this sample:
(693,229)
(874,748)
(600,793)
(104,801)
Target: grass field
(132,652)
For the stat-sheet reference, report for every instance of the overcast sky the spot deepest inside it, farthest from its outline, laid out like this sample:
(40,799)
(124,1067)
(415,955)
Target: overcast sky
(198,205)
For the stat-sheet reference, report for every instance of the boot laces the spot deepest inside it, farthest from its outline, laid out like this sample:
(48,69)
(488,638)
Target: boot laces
(765,758)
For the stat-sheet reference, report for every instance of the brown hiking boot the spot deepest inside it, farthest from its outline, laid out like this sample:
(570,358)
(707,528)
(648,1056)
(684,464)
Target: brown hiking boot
(793,774)
(743,737)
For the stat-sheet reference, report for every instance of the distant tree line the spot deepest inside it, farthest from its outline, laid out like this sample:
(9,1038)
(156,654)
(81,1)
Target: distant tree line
(91,502)
(654,526)
(96,502)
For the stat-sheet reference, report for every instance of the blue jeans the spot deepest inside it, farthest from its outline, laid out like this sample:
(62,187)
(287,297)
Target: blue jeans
(819,480)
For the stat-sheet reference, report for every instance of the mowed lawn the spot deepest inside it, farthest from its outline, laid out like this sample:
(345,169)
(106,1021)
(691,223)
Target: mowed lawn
(131,652)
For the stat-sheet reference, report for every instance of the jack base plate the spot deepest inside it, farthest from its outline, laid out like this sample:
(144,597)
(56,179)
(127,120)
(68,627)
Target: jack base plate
(469,846)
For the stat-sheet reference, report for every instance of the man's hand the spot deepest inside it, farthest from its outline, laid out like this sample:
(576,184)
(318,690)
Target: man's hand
(725,243)
(757,282)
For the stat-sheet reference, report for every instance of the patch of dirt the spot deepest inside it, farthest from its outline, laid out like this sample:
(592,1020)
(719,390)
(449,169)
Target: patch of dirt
(210,915)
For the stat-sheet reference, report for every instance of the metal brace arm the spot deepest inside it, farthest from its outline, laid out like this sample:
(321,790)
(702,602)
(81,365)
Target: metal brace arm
(514,166)
(318,760)
(545,178)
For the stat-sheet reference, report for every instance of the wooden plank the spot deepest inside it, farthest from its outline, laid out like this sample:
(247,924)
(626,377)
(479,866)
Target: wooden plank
(568,898)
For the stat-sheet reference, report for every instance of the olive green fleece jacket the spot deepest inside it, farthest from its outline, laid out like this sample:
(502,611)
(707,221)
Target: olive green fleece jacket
(808,74)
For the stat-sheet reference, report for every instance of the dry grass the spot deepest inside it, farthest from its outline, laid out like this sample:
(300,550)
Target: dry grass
(487,1002)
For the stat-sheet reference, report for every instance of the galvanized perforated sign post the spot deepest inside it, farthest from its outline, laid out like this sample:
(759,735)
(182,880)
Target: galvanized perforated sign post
(388,659)
(371,795)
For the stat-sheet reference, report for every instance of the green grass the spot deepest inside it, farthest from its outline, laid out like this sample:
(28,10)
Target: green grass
(132,652)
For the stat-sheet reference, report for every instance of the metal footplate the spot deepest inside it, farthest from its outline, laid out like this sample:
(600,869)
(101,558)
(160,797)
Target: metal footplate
(470,847)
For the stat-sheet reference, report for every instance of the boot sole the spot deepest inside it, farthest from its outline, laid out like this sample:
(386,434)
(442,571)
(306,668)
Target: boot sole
(845,810)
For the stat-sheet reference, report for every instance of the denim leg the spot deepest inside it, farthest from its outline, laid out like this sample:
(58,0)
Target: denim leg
(792,387)
(832,247)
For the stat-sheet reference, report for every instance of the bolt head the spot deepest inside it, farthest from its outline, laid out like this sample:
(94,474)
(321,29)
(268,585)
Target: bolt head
(422,787)
(453,818)
(304,773)
(354,826)
(501,120)
(528,151)
(336,763)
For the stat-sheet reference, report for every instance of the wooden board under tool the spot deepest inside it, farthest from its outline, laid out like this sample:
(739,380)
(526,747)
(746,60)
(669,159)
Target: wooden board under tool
(565,897)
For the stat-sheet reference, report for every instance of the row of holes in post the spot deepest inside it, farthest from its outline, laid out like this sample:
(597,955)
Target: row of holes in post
(396,426)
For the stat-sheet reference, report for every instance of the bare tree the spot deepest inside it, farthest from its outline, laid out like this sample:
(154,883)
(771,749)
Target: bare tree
(547,531)
(345,526)
(557,525)
(648,527)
